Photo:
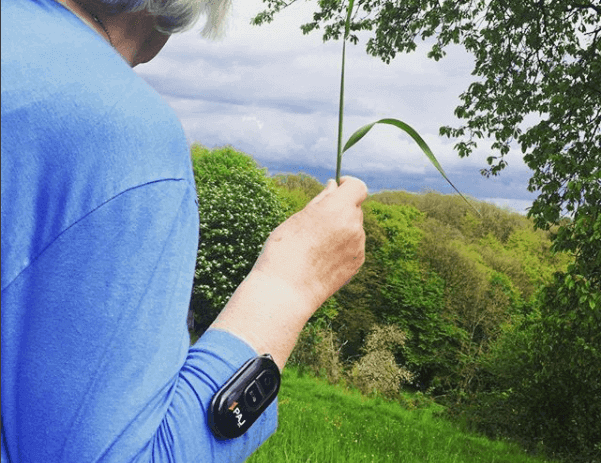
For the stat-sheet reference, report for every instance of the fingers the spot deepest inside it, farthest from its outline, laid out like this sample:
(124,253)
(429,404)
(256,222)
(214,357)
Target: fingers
(351,189)
(354,189)
(342,201)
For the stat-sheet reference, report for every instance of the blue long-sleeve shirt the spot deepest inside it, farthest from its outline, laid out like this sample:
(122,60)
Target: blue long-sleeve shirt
(99,237)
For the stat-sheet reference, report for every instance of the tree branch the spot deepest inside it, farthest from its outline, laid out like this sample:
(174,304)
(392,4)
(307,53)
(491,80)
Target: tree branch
(584,6)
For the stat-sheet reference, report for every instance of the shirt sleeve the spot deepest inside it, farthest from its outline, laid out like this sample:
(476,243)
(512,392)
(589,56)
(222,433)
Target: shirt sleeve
(104,370)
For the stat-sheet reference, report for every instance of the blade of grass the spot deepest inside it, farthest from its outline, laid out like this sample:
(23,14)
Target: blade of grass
(341,105)
(359,134)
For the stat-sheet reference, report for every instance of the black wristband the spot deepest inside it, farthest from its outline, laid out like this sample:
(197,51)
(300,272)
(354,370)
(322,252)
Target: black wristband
(244,397)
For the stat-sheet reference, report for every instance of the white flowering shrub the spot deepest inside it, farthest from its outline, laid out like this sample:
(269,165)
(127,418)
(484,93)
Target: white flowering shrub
(377,371)
(238,208)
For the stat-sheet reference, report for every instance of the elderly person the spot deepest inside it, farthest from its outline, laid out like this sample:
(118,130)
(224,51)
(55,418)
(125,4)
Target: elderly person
(99,236)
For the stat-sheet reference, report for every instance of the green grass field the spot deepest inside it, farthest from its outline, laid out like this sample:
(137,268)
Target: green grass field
(322,423)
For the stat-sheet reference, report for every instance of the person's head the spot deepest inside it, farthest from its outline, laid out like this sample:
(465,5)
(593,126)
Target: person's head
(173,16)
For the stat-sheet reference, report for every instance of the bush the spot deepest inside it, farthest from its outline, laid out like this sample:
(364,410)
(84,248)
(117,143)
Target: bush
(238,208)
(317,350)
(544,376)
(377,371)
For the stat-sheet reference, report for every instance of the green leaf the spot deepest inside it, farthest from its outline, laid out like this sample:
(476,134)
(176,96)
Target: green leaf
(359,134)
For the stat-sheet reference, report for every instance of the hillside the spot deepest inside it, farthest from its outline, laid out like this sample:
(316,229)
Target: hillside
(451,280)
(319,422)
(475,311)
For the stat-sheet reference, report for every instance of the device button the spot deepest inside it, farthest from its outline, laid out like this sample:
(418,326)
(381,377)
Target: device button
(253,396)
(267,381)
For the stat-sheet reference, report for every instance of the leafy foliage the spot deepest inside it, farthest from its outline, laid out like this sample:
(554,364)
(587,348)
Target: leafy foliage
(296,190)
(465,291)
(449,280)
(565,387)
(238,208)
(544,382)
(412,297)
(536,87)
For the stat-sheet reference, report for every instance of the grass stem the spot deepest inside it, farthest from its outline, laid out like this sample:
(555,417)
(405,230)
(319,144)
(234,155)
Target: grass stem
(341,105)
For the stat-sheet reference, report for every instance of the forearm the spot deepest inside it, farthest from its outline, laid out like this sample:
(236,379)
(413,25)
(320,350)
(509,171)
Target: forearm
(304,261)
(267,313)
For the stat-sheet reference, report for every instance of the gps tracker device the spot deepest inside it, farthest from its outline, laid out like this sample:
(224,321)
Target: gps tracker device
(242,399)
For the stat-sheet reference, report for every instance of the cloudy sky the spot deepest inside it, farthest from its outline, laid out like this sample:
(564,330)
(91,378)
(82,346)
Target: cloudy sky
(272,92)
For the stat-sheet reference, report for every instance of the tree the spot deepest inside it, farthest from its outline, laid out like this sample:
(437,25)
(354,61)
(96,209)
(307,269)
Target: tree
(410,296)
(296,190)
(238,208)
(545,386)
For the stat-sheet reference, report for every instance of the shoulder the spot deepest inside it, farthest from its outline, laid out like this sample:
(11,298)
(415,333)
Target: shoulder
(79,126)
(65,91)
(64,86)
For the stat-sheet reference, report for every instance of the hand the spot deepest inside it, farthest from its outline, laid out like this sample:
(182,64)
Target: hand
(320,248)
(304,261)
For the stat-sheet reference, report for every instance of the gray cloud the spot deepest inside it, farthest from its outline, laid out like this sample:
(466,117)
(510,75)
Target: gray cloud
(273,93)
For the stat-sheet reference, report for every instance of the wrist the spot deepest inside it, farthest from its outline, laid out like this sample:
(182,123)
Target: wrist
(268,313)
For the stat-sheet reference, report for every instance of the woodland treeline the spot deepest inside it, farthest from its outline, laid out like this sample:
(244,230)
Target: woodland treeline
(461,307)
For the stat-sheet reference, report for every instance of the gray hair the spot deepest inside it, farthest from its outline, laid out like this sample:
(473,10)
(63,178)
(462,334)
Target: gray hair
(177,15)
